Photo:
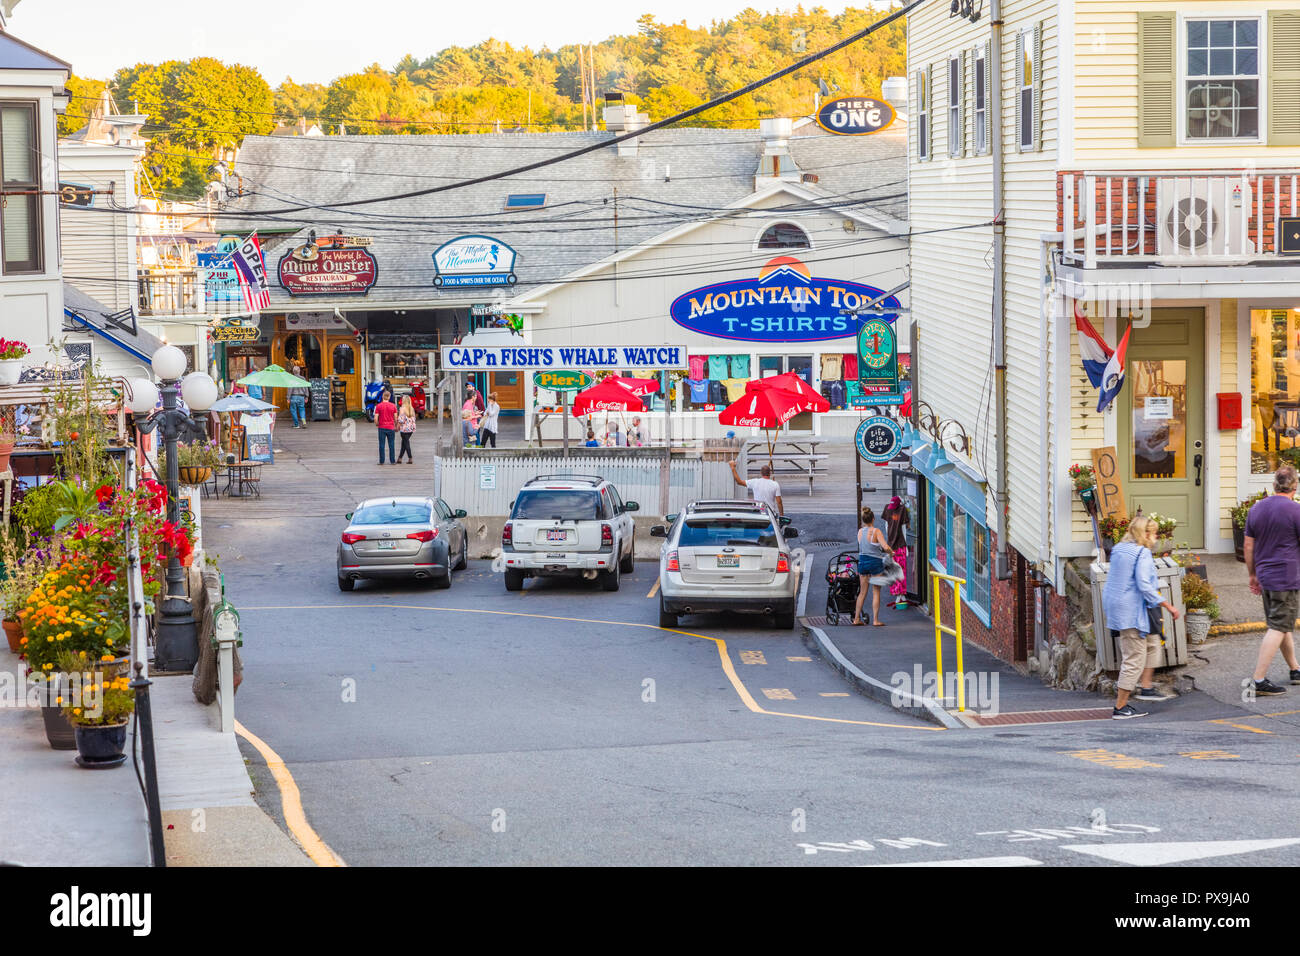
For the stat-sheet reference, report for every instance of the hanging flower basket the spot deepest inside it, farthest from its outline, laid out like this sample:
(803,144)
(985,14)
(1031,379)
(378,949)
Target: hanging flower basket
(193,475)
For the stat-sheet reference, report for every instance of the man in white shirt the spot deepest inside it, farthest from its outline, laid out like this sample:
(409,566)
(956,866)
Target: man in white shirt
(765,490)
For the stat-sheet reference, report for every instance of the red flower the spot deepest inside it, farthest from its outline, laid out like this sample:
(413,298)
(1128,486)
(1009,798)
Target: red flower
(83,531)
(105,493)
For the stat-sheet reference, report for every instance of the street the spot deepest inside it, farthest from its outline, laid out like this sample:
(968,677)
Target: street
(561,726)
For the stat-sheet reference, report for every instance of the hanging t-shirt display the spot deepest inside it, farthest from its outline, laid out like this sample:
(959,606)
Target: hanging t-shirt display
(718,366)
(696,362)
(740,366)
(850,366)
(699,390)
(717,393)
(831,368)
(735,388)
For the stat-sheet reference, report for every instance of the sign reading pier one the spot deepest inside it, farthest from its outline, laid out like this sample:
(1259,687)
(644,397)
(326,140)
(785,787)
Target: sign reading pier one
(465,358)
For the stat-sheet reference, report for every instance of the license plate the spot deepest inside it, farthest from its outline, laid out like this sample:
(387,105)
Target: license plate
(387,545)
(728,560)
(557,535)
(560,556)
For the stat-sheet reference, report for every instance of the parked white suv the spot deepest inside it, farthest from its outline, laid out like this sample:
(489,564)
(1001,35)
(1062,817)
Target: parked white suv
(568,524)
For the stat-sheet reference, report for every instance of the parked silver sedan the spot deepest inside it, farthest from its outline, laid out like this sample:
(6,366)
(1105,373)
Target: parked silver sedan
(402,537)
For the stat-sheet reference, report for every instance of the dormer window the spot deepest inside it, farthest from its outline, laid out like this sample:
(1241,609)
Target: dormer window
(784,235)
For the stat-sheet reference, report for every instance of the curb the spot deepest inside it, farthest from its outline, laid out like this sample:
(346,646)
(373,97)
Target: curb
(816,639)
(1245,627)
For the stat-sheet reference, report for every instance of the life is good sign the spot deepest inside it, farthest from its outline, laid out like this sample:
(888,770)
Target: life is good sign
(463,358)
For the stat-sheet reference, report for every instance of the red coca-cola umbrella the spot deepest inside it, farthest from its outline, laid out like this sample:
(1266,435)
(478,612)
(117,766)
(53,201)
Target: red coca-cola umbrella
(791,382)
(608,396)
(763,407)
(637,386)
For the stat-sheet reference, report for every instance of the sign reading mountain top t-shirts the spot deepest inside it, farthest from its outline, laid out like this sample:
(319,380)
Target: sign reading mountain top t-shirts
(784,303)
(339,270)
(473,261)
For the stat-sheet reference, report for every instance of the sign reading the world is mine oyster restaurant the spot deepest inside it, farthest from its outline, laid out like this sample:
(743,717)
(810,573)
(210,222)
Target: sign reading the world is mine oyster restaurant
(332,266)
(473,261)
(785,303)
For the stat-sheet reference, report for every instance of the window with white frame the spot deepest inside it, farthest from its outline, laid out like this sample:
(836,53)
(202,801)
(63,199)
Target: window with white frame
(20,212)
(959,545)
(1028,76)
(784,235)
(981,94)
(1222,78)
(956,128)
(923,113)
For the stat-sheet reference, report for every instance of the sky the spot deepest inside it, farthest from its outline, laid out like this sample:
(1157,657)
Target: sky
(314,41)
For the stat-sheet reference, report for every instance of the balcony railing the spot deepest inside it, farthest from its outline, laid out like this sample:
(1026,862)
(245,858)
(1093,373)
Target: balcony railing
(1175,218)
(181,292)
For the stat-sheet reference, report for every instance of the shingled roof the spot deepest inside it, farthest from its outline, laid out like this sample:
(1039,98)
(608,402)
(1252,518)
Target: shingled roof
(677,176)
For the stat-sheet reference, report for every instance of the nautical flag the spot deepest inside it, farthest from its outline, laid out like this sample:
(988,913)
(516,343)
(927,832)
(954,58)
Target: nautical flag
(252,274)
(1092,348)
(1113,378)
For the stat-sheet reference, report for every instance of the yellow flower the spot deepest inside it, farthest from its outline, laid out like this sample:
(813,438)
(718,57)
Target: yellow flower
(77,711)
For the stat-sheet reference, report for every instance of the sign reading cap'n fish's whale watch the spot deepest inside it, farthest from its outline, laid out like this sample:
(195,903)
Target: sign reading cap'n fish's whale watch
(786,303)
(473,261)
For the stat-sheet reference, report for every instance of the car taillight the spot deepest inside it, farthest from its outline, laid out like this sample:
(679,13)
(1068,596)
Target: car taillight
(672,561)
(507,534)
(782,563)
(606,536)
(426,535)
(349,538)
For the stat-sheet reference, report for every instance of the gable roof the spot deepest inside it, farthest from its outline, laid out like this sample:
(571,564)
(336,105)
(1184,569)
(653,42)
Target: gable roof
(18,55)
(93,316)
(678,176)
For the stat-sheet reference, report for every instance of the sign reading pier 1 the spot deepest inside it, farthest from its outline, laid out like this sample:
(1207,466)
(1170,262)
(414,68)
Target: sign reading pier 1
(467,358)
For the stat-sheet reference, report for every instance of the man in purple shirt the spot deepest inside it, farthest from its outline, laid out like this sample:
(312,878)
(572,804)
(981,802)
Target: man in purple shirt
(1273,562)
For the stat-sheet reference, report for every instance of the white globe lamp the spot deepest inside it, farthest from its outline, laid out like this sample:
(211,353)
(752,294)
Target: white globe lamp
(169,363)
(199,391)
(144,396)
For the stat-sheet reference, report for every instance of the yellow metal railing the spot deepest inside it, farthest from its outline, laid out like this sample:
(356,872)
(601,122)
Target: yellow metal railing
(940,629)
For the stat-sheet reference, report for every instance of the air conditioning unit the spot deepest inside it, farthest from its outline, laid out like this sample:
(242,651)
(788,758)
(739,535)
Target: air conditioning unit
(1203,216)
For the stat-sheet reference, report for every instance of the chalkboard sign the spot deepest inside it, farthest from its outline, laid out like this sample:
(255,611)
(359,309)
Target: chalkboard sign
(402,341)
(320,399)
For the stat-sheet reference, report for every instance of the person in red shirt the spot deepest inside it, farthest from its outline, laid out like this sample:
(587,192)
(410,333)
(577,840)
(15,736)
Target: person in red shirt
(386,422)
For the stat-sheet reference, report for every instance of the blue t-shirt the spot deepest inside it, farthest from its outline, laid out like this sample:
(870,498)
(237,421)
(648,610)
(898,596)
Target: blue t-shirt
(1274,523)
(699,389)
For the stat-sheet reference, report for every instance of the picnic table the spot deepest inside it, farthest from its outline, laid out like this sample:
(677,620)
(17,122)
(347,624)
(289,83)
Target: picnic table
(795,457)
(242,475)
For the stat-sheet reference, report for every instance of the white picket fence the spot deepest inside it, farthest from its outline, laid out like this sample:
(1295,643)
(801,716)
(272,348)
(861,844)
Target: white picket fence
(460,481)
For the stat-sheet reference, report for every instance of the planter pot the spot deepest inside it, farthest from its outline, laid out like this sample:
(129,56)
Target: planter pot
(192,475)
(6,447)
(101,745)
(1198,627)
(10,371)
(14,634)
(1239,542)
(58,732)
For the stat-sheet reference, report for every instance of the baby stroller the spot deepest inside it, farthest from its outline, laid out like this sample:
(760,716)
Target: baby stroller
(841,587)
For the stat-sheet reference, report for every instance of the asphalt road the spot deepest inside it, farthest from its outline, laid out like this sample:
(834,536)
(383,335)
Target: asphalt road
(561,726)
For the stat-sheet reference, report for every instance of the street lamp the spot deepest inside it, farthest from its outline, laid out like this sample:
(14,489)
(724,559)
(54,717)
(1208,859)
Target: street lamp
(177,645)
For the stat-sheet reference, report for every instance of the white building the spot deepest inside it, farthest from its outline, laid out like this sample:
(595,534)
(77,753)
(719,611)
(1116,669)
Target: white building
(1150,152)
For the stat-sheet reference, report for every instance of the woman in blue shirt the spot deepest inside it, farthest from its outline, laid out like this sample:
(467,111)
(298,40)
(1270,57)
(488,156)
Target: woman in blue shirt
(1131,591)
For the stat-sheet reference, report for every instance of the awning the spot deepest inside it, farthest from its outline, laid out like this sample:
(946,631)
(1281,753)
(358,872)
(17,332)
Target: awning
(962,484)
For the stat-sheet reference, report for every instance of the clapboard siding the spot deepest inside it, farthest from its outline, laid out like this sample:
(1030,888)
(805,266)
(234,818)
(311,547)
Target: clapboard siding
(98,253)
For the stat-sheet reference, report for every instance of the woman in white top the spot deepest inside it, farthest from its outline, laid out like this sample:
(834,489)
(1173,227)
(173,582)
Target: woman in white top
(872,548)
(488,428)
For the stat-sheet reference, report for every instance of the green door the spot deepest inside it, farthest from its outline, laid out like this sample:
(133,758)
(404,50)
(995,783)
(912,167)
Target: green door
(1162,421)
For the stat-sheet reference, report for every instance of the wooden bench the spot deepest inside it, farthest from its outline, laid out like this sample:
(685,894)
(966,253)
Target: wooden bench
(801,466)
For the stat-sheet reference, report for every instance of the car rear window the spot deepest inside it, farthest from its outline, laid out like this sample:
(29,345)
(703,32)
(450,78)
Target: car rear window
(558,504)
(703,532)
(392,513)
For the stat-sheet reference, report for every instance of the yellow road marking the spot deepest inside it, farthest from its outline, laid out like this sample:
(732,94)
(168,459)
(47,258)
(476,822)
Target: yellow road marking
(724,656)
(295,818)
(1108,759)
(752,657)
(654,590)
(1210,755)
(778,693)
(834,695)
(1229,723)
(798,658)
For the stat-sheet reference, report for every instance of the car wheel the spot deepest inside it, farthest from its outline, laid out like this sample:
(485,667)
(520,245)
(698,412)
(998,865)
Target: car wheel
(463,561)
(666,618)
(629,563)
(514,580)
(444,583)
(345,584)
(609,580)
(785,620)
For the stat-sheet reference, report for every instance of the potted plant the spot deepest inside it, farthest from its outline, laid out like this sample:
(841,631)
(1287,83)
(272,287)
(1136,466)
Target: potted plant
(1085,483)
(1189,562)
(1164,533)
(1202,604)
(1112,528)
(195,461)
(1239,512)
(19,573)
(97,705)
(12,353)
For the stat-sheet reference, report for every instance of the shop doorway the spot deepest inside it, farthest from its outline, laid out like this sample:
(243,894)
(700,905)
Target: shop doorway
(345,366)
(294,348)
(1161,434)
(509,387)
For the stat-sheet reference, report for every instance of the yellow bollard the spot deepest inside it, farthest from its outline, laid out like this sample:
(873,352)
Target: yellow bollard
(940,630)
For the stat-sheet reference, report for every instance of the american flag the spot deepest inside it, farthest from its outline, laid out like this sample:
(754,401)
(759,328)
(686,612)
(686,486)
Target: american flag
(252,274)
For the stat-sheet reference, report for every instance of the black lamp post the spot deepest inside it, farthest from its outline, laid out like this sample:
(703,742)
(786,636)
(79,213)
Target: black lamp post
(177,643)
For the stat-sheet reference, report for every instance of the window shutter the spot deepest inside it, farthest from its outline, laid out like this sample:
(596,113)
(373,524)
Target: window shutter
(988,97)
(1038,85)
(918,81)
(961,98)
(1283,78)
(1156,79)
(929,110)
(1020,81)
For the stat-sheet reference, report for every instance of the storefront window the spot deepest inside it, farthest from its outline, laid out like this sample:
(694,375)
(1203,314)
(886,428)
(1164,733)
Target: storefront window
(1274,386)
(957,566)
(405,364)
(959,545)
(978,579)
(939,529)
(344,359)
(1159,418)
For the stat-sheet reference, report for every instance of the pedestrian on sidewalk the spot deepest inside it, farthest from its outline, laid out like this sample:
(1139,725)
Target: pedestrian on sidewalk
(406,428)
(872,548)
(471,412)
(764,488)
(385,422)
(1132,593)
(298,401)
(487,429)
(1273,563)
(591,439)
(896,519)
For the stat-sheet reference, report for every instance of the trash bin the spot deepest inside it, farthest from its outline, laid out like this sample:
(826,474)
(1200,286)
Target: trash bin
(1169,575)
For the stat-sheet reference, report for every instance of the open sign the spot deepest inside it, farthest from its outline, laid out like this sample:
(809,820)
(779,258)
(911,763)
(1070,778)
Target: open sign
(855,115)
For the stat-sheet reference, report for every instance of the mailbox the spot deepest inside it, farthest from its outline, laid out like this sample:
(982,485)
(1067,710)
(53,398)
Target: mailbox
(1229,409)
